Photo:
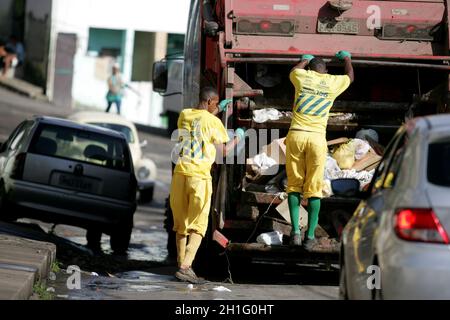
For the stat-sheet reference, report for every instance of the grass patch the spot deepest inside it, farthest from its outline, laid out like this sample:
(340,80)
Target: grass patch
(56,266)
(41,291)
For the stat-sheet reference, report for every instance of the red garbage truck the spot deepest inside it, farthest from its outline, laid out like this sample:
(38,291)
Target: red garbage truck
(246,48)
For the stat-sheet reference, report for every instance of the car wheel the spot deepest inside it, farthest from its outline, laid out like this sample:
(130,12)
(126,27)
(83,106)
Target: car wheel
(146,196)
(5,213)
(343,292)
(93,237)
(120,240)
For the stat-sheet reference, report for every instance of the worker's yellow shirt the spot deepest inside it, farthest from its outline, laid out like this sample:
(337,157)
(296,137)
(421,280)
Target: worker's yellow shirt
(314,97)
(198,132)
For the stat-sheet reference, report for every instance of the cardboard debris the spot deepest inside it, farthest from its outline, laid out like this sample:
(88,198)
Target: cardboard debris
(337,141)
(283,210)
(368,162)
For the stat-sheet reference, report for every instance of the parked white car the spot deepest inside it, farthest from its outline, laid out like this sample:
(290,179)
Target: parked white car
(145,168)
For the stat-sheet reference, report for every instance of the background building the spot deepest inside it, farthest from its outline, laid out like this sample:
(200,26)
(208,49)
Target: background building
(72,44)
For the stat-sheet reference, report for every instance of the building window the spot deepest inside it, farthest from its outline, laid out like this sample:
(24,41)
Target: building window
(106,42)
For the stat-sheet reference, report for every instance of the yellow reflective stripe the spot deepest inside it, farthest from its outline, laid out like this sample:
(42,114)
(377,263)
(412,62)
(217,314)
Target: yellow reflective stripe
(313,105)
(304,102)
(324,108)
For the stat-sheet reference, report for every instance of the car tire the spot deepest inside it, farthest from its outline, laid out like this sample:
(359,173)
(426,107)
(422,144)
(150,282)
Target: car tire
(93,238)
(146,195)
(5,214)
(343,291)
(120,240)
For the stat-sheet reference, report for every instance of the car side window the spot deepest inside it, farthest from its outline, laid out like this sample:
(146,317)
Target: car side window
(10,140)
(20,135)
(380,173)
(397,159)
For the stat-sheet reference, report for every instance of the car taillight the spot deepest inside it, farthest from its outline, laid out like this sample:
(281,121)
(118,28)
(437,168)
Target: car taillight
(265,27)
(408,32)
(420,225)
(18,166)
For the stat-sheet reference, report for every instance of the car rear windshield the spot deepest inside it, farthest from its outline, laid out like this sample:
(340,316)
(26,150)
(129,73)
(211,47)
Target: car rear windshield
(83,146)
(117,127)
(439,163)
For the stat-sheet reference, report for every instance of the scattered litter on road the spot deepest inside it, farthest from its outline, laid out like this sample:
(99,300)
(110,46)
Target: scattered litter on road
(50,289)
(221,289)
(190,286)
(95,274)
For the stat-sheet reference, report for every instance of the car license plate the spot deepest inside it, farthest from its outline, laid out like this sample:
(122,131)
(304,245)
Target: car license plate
(75,183)
(333,26)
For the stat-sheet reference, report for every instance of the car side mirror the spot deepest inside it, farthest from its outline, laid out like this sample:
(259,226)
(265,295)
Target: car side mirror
(144,143)
(160,76)
(346,187)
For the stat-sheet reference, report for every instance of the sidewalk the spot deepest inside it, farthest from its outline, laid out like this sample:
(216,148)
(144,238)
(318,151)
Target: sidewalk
(23,263)
(27,105)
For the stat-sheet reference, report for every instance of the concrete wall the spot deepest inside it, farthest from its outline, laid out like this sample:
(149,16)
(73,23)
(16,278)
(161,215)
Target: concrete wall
(6,21)
(37,41)
(89,88)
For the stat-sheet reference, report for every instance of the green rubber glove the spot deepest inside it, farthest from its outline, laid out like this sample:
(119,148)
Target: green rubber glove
(223,105)
(308,57)
(240,132)
(341,55)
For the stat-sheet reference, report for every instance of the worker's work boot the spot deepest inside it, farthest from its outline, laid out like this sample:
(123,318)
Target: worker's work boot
(296,240)
(312,245)
(188,275)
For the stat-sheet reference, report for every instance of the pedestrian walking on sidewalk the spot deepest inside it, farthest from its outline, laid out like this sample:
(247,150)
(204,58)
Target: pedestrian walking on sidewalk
(201,134)
(306,145)
(115,89)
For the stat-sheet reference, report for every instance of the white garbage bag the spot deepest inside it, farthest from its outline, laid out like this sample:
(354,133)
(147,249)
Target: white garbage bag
(274,238)
(362,147)
(263,115)
(263,161)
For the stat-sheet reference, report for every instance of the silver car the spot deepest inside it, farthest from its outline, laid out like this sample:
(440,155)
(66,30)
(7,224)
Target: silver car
(145,168)
(396,246)
(62,172)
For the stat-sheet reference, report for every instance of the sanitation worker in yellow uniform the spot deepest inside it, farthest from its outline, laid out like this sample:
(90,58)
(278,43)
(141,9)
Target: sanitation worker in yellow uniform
(200,134)
(306,144)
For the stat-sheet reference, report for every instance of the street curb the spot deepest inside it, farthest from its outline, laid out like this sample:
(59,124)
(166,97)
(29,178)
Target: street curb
(23,263)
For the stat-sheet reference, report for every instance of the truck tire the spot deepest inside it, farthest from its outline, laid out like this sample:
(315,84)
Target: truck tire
(120,240)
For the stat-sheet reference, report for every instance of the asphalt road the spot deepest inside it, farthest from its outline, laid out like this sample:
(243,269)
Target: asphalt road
(146,273)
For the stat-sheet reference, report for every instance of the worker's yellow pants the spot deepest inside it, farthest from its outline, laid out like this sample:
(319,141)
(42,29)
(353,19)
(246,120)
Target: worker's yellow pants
(306,154)
(190,201)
